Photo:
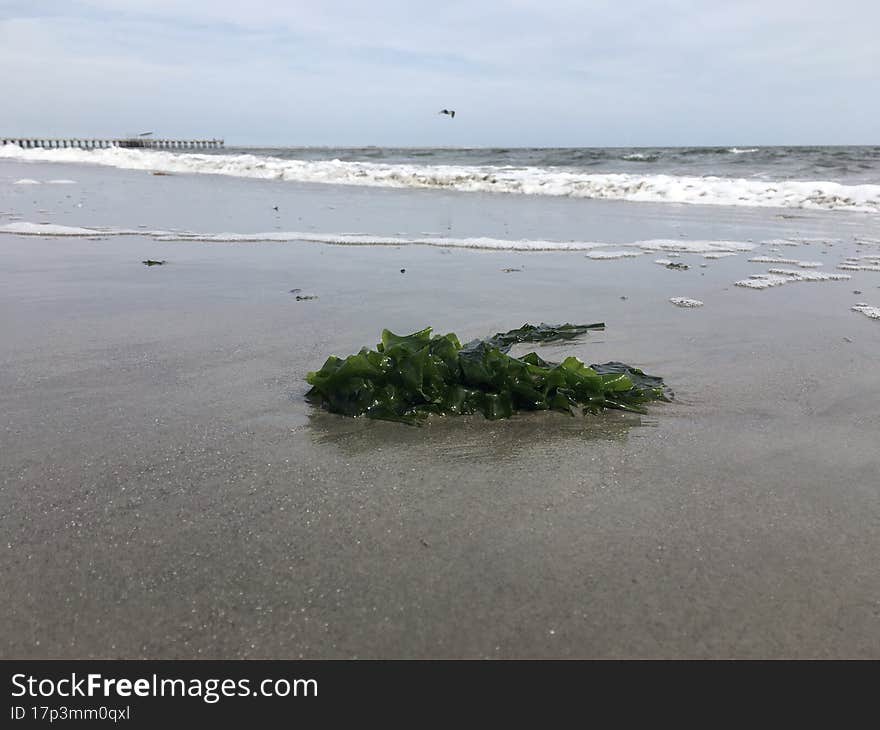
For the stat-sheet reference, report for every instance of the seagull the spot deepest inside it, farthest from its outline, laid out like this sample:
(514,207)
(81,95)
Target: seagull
(450,112)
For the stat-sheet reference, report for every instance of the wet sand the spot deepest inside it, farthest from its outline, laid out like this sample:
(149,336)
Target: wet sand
(165,492)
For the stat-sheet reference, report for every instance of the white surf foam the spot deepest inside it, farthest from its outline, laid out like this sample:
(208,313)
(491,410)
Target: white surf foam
(869,266)
(605,255)
(685,302)
(703,247)
(818,194)
(357,239)
(799,241)
(793,262)
(778,277)
(23,228)
(762,281)
(26,181)
(867,310)
(809,275)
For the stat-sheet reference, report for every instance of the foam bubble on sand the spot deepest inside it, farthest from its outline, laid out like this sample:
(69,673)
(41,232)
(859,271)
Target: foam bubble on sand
(373,240)
(26,181)
(867,310)
(718,255)
(61,182)
(762,281)
(778,277)
(607,255)
(796,275)
(598,250)
(24,228)
(793,262)
(44,229)
(685,302)
(860,263)
(799,241)
(704,247)
(859,267)
(609,250)
(710,190)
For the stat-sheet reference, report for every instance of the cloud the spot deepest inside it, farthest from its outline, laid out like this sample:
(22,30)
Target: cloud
(519,73)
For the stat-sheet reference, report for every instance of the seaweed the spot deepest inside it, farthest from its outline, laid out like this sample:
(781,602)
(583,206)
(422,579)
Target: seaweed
(409,377)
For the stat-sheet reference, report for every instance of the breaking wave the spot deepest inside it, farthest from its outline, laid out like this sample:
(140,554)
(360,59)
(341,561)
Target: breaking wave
(529,180)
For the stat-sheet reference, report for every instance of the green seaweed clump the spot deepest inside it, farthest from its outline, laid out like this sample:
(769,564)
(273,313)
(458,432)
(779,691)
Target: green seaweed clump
(407,378)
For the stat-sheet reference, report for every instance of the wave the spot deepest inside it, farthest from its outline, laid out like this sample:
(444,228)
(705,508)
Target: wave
(640,157)
(814,194)
(24,228)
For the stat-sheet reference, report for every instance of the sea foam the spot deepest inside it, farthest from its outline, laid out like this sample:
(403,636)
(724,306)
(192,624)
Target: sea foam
(635,248)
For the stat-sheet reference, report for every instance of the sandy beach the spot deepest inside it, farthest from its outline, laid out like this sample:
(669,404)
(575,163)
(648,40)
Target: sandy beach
(166,492)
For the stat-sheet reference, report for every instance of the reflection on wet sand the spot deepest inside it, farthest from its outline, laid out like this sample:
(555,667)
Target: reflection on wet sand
(467,438)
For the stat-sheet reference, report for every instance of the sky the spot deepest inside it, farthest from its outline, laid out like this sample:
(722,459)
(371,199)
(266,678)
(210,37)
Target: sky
(548,73)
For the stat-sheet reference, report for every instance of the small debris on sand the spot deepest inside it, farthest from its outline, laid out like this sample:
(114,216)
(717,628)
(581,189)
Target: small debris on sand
(162,174)
(510,271)
(305,297)
(403,271)
(151,262)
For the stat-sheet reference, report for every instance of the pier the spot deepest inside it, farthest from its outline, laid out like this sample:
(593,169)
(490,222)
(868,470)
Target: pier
(126,142)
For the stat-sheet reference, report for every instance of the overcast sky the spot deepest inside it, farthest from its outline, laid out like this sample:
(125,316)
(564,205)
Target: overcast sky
(518,73)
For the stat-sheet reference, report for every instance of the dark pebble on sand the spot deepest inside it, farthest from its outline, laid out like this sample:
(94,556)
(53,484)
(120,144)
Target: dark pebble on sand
(403,271)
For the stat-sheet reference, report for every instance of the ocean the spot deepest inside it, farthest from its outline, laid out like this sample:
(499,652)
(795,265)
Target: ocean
(818,178)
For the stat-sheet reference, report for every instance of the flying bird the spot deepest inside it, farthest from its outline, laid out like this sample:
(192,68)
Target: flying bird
(450,112)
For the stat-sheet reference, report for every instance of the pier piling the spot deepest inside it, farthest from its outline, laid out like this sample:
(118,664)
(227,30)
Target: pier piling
(104,143)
